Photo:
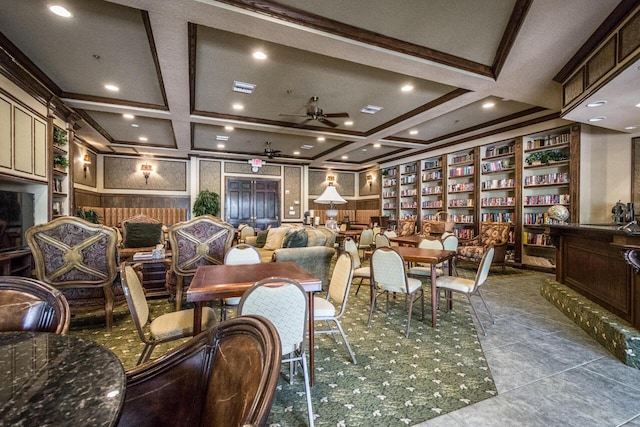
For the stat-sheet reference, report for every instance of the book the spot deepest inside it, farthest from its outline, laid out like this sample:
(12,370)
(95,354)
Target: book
(139,256)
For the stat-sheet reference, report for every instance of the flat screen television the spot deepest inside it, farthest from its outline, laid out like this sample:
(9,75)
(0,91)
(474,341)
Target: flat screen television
(16,216)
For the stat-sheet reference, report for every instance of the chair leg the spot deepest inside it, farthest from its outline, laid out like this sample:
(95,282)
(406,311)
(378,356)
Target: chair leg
(307,388)
(346,342)
(179,284)
(410,300)
(373,307)
(146,353)
(359,284)
(493,322)
(108,306)
(475,313)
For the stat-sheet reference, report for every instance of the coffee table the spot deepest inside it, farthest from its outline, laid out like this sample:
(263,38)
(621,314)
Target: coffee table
(213,282)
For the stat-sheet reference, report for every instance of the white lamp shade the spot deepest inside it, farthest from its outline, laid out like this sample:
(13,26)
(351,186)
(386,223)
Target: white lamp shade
(329,196)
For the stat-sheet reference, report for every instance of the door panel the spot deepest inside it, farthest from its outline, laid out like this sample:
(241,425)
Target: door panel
(253,202)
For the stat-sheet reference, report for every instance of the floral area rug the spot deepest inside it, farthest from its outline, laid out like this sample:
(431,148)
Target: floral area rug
(397,380)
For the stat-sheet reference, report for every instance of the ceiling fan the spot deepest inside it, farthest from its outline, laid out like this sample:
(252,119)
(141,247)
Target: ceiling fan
(314,112)
(270,152)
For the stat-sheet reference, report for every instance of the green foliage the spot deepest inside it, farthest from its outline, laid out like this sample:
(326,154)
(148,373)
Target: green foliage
(60,161)
(207,203)
(88,215)
(59,137)
(546,156)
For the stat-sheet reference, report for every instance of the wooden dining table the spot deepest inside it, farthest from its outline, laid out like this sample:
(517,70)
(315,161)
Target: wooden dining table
(214,282)
(411,240)
(432,257)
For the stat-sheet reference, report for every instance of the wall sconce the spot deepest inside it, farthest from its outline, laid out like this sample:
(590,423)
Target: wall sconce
(146,171)
(331,179)
(86,161)
(370,180)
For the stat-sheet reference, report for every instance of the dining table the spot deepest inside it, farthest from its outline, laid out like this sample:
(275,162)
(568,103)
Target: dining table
(219,281)
(53,379)
(411,240)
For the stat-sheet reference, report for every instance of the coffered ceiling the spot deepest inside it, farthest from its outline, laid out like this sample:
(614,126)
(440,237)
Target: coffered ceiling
(175,63)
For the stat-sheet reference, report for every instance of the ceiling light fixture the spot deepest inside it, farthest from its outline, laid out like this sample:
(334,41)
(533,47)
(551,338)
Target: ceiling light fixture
(377,145)
(321,138)
(632,127)
(597,119)
(229,128)
(296,153)
(128,116)
(489,104)
(348,123)
(638,105)
(238,107)
(413,132)
(243,87)
(344,157)
(258,54)
(111,88)
(371,109)
(221,145)
(135,125)
(596,104)
(143,138)
(407,88)
(60,11)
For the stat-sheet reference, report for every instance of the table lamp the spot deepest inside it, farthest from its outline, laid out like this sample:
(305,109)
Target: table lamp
(331,197)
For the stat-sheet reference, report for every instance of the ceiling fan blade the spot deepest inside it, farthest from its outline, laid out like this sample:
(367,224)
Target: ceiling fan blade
(337,115)
(304,122)
(292,115)
(327,122)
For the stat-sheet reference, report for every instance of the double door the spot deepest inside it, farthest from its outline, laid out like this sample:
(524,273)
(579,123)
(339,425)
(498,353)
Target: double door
(254,202)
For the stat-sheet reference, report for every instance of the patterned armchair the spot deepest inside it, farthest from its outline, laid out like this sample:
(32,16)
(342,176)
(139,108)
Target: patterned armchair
(200,241)
(79,258)
(406,227)
(491,233)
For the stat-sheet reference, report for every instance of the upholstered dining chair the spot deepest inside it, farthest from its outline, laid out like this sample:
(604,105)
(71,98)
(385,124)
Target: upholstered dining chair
(388,275)
(494,234)
(245,232)
(166,327)
(239,254)
(450,243)
(225,376)
(380,240)
(470,287)
(338,293)
(283,302)
(366,240)
(423,270)
(359,272)
(80,259)
(31,305)
(199,241)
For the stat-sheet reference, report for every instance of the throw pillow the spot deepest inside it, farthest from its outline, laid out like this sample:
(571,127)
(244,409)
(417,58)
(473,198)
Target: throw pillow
(275,238)
(295,239)
(261,238)
(142,234)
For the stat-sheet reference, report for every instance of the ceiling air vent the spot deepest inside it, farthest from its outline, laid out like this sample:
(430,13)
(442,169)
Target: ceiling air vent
(243,87)
(371,109)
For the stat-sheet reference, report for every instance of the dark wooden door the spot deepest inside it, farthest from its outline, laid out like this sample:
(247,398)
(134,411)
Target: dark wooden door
(253,202)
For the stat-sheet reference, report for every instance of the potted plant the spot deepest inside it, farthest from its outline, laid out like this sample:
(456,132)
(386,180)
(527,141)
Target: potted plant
(59,137)
(60,161)
(544,157)
(207,203)
(88,215)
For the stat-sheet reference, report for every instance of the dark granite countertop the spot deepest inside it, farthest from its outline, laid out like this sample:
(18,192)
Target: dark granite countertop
(58,380)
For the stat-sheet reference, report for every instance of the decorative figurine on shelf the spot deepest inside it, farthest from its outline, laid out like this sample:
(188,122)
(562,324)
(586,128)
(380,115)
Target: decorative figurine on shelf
(619,212)
(559,213)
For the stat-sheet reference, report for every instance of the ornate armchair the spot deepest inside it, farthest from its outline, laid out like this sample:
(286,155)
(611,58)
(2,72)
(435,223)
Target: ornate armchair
(494,234)
(406,227)
(200,241)
(79,258)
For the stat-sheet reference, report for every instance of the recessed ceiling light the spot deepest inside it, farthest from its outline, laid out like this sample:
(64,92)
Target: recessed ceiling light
(306,147)
(60,11)
(596,104)
(135,125)
(371,109)
(258,54)
(597,119)
(320,138)
(129,116)
(489,104)
(238,107)
(243,87)
(407,88)
(638,105)
(229,128)
(413,132)
(112,88)
(143,138)
(632,127)
(377,145)
(296,153)
(348,123)
(221,145)
(344,157)
(222,137)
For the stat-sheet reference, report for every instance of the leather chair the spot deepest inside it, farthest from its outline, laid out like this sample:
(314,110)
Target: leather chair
(30,305)
(494,234)
(200,241)
(226,376)
(80,259)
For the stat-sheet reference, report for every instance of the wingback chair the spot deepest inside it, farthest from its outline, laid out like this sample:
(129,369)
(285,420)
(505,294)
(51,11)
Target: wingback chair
(406,227)
(494,234)
(199,241)
(81,259)
(140,233)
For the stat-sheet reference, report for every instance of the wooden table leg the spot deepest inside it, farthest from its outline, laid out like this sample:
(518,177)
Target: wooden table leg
(434,295)
(197,318)
(312,369)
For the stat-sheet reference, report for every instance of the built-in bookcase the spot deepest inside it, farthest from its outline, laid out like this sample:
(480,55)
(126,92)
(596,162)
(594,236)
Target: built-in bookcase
(408,188)
(461,192)
(432,191)
(390,193)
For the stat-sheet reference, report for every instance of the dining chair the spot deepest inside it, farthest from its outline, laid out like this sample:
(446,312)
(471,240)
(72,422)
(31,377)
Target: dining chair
(246,232)
(283,302)
(239,254)
(31,305)
(450,243)
(338,293)
(225,376)
(388,275)
(421,269)
(469,287)
(359,272)
(202,240)
(166,327)
(390,234)
(381,240)
(366,240)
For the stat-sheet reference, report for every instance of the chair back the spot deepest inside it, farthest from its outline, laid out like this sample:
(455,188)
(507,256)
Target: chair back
(242,254)
(450,243)
(341,280)
(31,305)
(200,241)
(136,299)
(72,252)
(246,232)
(376,230)
(406,227)
(366,237)
(485,266)
(226,376)
(390,233)
(381,240)
(282,301)
(430,244)
(387,268)
(351,247)
(494,233)
(141,224)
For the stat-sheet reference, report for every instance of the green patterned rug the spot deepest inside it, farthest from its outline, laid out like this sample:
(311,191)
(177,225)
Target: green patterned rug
(397,381)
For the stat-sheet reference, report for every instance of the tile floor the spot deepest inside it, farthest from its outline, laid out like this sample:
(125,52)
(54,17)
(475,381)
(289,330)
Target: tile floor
(547,370)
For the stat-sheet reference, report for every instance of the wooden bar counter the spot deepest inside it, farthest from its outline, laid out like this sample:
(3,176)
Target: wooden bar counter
(590,260)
